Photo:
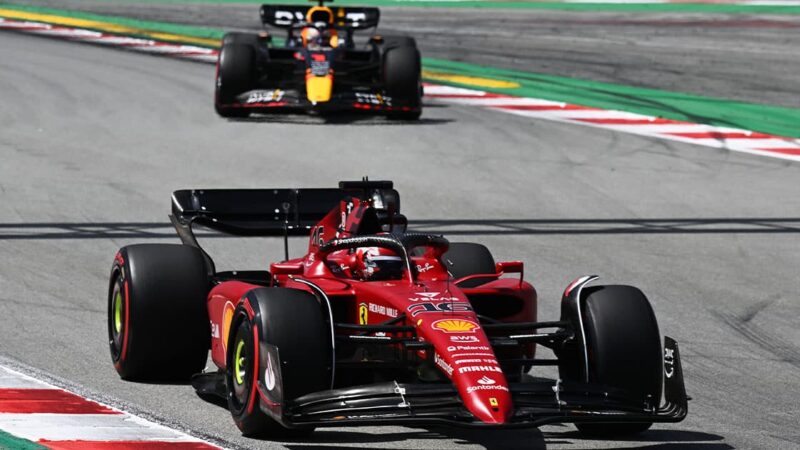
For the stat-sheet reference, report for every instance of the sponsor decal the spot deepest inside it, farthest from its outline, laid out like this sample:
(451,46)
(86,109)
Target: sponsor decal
(486,384)
(373,99)
(269,374)
(432,297)
(443,364)
(320,68)
(427,307)
(469,369)
(310,260)
(286,17)
(275,95)
(363,314)
(461,339)
(669,362)
(484,348)
(381,309)
(476,361)
(425,268)
(468,361)
(318,237)
(214,330)
(457,326)
(486,380)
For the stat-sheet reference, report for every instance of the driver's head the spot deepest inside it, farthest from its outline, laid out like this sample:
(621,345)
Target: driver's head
(310,35)
(377,264)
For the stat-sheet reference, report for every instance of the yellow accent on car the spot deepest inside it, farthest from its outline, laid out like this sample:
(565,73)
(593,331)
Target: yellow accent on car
(238,363)
(319,89)
(469,81)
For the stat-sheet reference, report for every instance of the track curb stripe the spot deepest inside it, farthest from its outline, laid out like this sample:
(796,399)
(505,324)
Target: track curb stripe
(192,52)
(35,414)
(732,139)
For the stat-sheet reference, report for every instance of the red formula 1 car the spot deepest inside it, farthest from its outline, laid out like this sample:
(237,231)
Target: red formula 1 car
(376,325)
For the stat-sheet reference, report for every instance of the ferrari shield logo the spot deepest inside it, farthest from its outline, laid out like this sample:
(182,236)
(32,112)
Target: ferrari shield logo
(363,313)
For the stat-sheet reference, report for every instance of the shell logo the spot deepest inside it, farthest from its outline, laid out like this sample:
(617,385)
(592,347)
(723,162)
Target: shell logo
(455,326)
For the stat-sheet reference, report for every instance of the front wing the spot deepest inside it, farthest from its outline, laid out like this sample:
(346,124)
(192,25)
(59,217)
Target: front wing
(536,403)
(291,100)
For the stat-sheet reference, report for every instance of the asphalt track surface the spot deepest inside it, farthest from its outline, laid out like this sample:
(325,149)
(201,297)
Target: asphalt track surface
(747,57)
(93,141)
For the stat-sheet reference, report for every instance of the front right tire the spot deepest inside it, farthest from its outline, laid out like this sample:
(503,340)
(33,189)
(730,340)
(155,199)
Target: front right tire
(402,69)
(624,349)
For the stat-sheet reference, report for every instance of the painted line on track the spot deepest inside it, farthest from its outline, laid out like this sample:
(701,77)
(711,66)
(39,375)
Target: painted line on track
(40,415)
(732,139)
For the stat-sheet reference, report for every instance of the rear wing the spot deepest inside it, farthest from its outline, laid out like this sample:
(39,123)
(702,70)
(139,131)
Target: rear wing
(254,212)
(272,212)
(285,16)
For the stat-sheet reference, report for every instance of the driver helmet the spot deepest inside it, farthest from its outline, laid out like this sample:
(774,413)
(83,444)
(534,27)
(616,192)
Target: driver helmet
(310,35)
(377,264)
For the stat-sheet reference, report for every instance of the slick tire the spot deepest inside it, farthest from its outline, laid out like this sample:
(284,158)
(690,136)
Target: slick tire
(235,73)
(292,321)
(467,258)
(402,80)
(157,317)
(624,348)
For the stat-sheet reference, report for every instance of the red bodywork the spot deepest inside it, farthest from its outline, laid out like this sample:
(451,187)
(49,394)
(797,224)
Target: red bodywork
(443,313)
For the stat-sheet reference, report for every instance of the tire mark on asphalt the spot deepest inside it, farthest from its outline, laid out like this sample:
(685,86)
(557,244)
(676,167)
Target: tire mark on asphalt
(753,333)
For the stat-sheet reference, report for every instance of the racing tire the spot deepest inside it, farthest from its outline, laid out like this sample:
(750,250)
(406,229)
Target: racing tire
(157,317)
(402,80)
(291,320)
(235,72)
(624,348)
(468,258)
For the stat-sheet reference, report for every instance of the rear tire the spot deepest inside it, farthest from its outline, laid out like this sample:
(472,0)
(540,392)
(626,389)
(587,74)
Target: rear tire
(402,78)
(305,354)
(468,258)
(157,317)
(235,72)
(624,348)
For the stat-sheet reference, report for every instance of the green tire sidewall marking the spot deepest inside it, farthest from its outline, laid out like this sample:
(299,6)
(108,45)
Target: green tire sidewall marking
(237,363)
(118,312)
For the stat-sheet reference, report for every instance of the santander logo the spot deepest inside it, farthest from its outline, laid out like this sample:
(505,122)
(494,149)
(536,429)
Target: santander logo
(486,380)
